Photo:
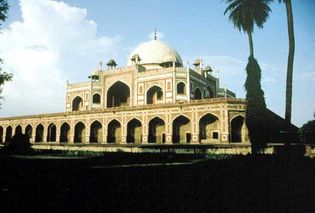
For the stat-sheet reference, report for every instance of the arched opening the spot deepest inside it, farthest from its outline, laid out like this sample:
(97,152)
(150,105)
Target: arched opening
(8,134)
(39,133)
(154,95)
(134,131)
(29,131)
(79,133)
(118,95)
(114,132)
(77,104)
(18,130)
(96,132)
(96,98)
(210,92)
(237,126)
(197,94)
(209,128)
(65,132)
(156,130)
(1,134)
(51,133)
(181,130)
(181,89)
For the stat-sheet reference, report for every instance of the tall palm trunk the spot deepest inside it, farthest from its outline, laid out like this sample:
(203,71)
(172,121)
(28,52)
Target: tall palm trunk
(288,101)
(251,45)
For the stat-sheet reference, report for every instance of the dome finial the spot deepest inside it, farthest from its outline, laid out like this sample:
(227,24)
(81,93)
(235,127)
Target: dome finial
(155,37)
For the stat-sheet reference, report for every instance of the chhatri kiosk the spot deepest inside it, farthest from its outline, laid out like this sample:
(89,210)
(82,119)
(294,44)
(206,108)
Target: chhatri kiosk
(152,100)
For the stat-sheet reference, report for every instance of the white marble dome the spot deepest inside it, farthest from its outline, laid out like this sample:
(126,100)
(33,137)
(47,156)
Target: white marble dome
(155,52)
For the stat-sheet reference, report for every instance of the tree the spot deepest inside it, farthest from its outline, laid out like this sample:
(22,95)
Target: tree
(289,80)
(245,14)
(307,133)
(4,7)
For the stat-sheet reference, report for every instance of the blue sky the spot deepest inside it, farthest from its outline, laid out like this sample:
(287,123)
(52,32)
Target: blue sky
(45,43)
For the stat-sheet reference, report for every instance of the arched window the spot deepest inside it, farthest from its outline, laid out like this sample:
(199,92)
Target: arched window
(181,89)
(210,91)
(96,98)
(154,95)
(18,130)
(1,134)
(8,134)
(118,95)
(77,104)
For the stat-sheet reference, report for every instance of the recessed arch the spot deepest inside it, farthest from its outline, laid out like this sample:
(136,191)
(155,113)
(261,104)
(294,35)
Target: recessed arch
(77,104)
(181,132)
(65,132)
(39,136)
(209,126)
(210,92)
(114,132)
(1,134)
(154,95)
(197,93)
(134,131)
(8,134)
(96,132)
(181,88)
(29,131)
(156,130)
(96,98)
(18,130)
(79,132)
(237,129)
(118,95)
(51,133)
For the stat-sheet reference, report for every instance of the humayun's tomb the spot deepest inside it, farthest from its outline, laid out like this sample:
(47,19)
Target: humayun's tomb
(154,100)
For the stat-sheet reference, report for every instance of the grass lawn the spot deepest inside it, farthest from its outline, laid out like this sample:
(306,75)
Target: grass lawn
(236,184)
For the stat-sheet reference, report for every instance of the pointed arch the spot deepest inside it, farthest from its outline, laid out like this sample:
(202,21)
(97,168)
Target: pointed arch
(96,132)
(29,131)
(96,98)
(181,88)
(18,130)
(210,92)
(134,131)
(65,132)
(209,126)
(77,104)
(8,134)
(197,93)
(114,132)
(51,133)
(154,95)
(1,134)
(237,129)
(39,133)
(79,132)
(181,132)
(118,95)
(156,130)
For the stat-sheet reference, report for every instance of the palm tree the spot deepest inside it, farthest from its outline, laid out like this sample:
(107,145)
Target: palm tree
(288,93)
(245,13)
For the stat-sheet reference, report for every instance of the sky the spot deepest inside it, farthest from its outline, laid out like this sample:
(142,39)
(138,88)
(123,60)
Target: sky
(46,43)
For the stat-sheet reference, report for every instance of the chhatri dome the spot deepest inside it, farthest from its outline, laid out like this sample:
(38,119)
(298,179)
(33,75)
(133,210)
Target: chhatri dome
(155,52)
